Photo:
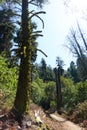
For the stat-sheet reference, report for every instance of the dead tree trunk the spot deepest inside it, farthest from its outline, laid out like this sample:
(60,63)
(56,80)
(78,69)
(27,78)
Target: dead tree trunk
(58,89)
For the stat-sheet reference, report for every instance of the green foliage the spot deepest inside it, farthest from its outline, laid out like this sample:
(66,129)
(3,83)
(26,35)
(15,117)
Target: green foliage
(68,94)
(82,68)
(50,76)
(44,94)
(18,42)
(81,88)
(66,82)
(72,70)
(50,91)
(50,95)
(45,72)
(53,105)
(73,93)
(6,30)
(8,81)
(80,113)
(37,90)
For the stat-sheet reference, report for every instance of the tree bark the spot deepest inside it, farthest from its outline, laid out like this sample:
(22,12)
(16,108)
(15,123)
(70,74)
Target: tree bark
(22,99)
(58,90)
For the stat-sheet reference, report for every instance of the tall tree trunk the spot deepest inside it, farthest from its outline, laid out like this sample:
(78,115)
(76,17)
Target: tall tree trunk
(22,100)
(58,90)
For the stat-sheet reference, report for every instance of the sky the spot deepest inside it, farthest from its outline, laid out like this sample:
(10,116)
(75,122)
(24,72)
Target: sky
(58,20)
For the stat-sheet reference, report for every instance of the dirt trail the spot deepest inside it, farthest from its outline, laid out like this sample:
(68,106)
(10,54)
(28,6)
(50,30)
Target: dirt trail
(67,125)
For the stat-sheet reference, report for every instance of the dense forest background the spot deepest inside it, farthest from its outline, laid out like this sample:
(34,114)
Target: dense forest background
(43,87)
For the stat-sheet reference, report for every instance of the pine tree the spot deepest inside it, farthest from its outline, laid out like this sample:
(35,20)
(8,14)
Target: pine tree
(22,100)
(6,30)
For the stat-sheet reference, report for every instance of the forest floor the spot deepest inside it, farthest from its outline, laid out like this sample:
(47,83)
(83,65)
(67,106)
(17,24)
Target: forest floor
(48,122)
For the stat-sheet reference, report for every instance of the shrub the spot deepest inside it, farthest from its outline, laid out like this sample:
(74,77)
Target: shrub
(80,113)
(8,81)
(50,95)
(37,91)
(81,95)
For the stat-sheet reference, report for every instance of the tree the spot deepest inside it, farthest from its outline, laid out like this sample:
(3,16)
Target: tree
(50,74)
(43,67)
(78,46)
(45,71)
(22,99)
(6,30)
(58,72)
(73,72)
(17,40)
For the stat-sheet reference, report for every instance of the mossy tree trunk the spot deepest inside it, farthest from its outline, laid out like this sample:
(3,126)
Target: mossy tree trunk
(22,99)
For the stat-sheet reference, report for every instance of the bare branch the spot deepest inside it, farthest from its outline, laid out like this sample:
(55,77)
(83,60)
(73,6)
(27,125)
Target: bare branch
(36,14)
(82,36)
(76,41)
(30,1)
(15,1)
(37,35)
(37,32)
(18,8)
(17,15)
(34,4)
(31,12)
(41,52)
(73,47)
